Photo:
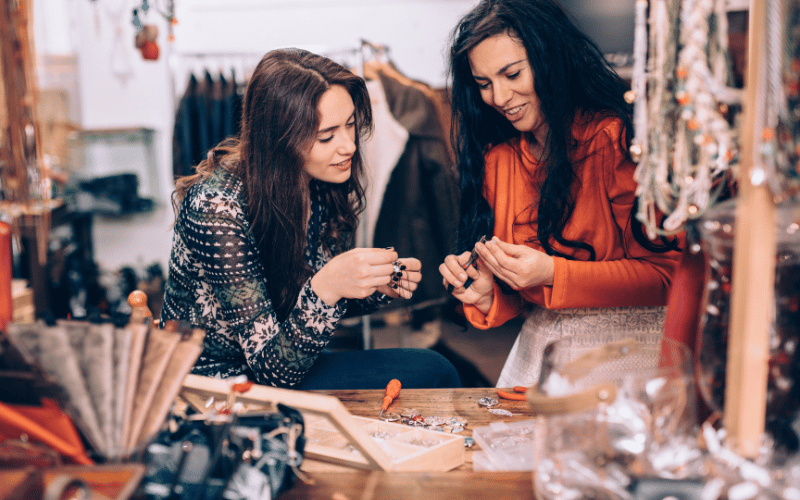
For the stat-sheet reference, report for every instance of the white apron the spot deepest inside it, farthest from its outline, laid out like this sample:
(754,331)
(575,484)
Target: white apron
(597,326)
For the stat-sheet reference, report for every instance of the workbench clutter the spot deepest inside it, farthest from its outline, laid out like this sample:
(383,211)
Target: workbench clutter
(224,454)
(42,454)
(118,382)
(613,411)
(334,436)
(609,430)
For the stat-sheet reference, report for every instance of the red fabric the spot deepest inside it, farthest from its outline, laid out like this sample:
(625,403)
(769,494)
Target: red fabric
(685,300)
(45,424)
(6,301)
(624,273)
(684,313)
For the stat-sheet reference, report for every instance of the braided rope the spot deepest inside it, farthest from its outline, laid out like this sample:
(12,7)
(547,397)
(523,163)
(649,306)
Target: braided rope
(689,140)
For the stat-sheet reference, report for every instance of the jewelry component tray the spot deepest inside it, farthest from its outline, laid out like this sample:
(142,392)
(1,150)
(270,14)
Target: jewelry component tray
(335,436)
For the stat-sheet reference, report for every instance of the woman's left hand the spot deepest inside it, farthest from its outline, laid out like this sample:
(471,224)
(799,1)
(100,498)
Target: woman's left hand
(407,282)
(518,265)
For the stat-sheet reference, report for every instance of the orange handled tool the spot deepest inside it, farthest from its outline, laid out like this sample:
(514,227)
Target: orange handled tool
(392,390)
(517,395)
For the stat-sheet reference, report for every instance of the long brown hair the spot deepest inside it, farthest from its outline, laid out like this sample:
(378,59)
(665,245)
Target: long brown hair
(279,124)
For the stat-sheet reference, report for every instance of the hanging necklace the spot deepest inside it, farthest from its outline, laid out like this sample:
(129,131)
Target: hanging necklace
(683,142)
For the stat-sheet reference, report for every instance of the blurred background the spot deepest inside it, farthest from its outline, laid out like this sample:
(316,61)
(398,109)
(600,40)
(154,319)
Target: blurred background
(134,92)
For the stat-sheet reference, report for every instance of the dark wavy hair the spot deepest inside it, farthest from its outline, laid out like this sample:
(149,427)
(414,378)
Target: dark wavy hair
(279,124)
(571,76)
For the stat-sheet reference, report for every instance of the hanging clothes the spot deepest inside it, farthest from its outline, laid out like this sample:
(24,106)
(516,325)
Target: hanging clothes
(185,131)
(381,151)
(208,112)
(419,209)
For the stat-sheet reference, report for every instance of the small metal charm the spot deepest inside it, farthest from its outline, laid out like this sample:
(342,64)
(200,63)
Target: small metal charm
(487,402)
(457,421)
(390,417)
(409,412)
(500,411)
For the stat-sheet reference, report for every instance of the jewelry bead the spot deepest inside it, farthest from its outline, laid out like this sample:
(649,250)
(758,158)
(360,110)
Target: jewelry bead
(630,96)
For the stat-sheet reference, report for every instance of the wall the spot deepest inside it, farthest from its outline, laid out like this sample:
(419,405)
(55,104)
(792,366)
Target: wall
(117,89)
(416,31)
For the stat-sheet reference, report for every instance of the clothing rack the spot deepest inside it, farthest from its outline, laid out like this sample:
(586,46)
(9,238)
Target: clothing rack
(182,64)
(244,62)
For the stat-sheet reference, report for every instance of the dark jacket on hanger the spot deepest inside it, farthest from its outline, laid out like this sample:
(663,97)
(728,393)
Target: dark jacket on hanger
(208,113)
(185,131)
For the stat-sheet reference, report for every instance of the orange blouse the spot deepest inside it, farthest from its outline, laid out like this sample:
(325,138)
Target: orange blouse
(623,274)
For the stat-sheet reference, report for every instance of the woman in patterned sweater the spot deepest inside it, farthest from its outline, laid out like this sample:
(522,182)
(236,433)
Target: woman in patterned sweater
(260,255)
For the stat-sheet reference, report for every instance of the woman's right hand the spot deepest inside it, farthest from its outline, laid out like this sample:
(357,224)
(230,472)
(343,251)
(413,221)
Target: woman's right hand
(354,274)
(480,293)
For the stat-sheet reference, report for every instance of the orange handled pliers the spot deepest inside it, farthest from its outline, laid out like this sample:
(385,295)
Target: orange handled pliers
(517,395)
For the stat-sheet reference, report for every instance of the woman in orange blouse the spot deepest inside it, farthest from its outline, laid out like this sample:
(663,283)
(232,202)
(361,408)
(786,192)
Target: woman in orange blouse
(542,137)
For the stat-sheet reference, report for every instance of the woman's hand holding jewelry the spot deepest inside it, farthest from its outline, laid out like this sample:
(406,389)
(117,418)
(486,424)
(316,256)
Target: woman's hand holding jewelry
(404,279)
(355,274)
(480,293)
(518,265)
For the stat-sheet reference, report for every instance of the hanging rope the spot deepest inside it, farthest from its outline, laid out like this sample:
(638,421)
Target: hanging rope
(683,141)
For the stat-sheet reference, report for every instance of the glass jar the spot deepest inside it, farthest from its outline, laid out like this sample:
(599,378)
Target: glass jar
(717,229)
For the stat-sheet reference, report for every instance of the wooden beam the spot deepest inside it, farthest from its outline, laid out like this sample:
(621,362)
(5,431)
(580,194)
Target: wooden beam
(15,175)
(753,264)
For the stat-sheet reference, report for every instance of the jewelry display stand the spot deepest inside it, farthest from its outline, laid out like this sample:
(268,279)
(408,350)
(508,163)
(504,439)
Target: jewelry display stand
(335,436)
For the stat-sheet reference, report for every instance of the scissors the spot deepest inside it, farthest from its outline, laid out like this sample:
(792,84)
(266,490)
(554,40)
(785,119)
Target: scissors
(473,257)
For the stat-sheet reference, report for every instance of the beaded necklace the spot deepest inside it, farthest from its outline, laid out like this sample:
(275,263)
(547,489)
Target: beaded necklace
(683,140)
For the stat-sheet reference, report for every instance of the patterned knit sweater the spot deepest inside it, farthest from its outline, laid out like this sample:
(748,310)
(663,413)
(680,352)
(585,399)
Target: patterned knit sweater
(216,281)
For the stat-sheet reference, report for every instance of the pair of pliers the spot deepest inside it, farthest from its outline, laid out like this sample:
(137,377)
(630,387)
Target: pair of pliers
(517,395)
(473,257)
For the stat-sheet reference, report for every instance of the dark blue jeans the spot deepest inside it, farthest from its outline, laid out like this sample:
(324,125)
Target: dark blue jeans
(373,369)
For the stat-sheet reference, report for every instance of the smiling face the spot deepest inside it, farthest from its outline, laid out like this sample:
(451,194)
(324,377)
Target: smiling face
(331,153)
(504,76)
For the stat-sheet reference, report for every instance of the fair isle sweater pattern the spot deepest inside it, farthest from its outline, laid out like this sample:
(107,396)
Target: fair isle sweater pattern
(216,281)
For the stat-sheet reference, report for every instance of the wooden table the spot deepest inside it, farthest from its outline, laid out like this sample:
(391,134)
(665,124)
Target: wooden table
(352,484)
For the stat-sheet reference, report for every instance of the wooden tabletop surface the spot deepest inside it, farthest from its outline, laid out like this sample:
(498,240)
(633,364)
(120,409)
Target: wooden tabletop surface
(463,482)
(438,402)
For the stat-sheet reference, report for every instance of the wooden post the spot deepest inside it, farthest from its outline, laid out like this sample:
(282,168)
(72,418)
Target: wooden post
(20,142)
(16,61)
(753,264)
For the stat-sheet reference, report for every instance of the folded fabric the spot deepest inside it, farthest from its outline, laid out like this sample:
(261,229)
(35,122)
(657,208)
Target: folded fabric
(45,424)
